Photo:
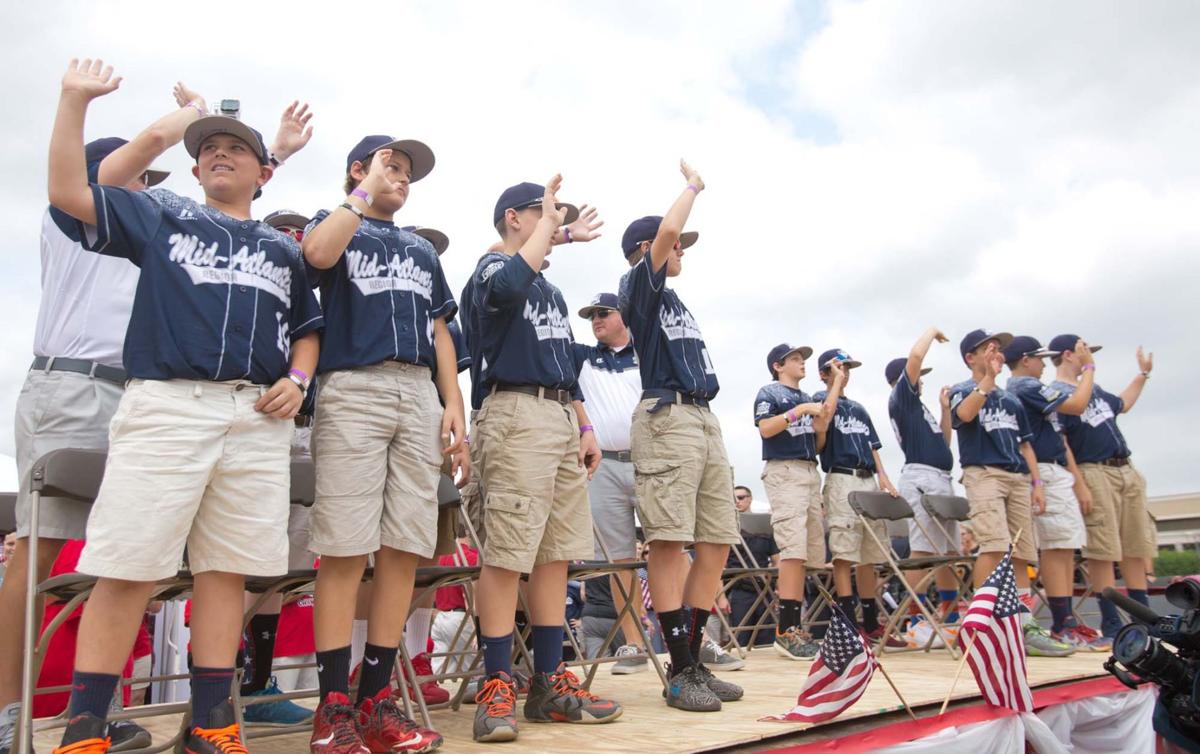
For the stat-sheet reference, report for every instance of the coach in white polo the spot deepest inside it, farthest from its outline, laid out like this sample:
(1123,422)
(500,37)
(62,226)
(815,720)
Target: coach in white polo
(612,387)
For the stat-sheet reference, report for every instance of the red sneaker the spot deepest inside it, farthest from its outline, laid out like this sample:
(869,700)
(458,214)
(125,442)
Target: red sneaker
(893,641)
(385,727)
(430,690)
(335,727)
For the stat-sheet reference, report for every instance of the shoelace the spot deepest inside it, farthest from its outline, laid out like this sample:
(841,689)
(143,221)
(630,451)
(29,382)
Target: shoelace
(227,739)
(388,706)
(498,696)
(86,746)
(341,719)
(567,683)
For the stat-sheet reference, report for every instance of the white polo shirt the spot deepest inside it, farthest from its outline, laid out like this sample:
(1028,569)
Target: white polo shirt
(612,387)
(86,297)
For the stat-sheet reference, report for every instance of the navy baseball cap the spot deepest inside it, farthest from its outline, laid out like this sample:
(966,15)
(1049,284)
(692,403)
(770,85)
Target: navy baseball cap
(211,125)
(780,353)
(600,301)
(418,153)
(525,195)
(1026,345)
(1060,343)
(645,229)
(976,338)
(840,355)
(286,218)
(895,368)
(94,153)
(440,240)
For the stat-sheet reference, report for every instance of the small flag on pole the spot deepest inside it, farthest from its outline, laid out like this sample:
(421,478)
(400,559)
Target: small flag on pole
(992,638)
(838,677)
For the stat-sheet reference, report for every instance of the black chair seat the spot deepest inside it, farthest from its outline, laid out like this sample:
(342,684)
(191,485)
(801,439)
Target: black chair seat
(880,506)
(950,507)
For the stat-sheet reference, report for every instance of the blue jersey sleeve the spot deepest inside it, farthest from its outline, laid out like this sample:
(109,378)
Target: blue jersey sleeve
(315,276)
(441,303)
(958,393)
(305,316)
(872,435)
(1036,397)
(766,406)
(906,394)
(70,227)
(126,222)
(641,297)
(461,353)
(502,284)
(1024,430)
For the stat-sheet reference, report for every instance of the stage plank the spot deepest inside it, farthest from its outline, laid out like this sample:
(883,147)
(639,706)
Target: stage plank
(771,684)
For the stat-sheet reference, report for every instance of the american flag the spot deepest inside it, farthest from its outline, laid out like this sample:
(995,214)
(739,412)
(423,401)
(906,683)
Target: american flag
(840,675)
(993,631)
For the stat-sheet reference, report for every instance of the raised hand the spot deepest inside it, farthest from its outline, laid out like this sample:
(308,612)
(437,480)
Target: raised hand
(89,79)
(691,176)
(938,335)
(550,209)
(185,96)
(1145,360)
(377,181)
(294,131)
(586,226)
(944,397)
(1084,352)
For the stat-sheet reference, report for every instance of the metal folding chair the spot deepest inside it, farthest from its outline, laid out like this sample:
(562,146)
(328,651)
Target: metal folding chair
(760,578)
(881,506)
(8,511)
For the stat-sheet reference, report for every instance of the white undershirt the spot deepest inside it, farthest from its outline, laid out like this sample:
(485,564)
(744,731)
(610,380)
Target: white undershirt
(86,300)
(611,399)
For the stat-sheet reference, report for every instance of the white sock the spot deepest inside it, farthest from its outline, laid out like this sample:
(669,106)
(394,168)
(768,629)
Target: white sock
(416,631)
(358,643)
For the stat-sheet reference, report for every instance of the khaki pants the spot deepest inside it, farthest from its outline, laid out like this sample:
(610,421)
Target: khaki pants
(848,538)
(794,491)
(1116,527)
(1001,507)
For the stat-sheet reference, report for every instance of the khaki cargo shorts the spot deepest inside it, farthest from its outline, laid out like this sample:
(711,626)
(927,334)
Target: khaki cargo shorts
(377,455)
(535,506)
(682,476)
(794,492)
(848,537)
(1001,506)
(1116,527)
(191,463)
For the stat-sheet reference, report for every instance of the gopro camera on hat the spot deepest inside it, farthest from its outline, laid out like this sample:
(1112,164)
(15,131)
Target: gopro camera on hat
(230,108)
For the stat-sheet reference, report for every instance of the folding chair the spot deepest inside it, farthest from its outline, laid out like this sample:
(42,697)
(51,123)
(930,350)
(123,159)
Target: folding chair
(952,508)
(881,506)
(8,511)
(761,579)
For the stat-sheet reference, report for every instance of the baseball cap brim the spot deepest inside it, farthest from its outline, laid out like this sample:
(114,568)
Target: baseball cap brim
(804,351)
(926,370)
(290,219)
(572,212)
(849,364)
(1002,340)
(420,155)
(211,125)
(587,311)
(688,238)
(155,177)
(438,239)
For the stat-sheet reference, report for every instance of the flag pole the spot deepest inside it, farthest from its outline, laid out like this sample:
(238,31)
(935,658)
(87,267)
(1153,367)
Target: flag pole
(966,653)
(900,696)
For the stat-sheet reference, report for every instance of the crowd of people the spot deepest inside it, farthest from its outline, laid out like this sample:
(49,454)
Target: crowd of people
(190,340)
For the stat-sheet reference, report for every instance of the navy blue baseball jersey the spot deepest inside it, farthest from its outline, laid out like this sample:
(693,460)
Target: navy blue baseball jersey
(919,434)
(520,329)
(1094,436)
(462,354)
(851,436)
(799,439)
(381,298)
(1041,403)
(218,298)
(669,343)
(992,438)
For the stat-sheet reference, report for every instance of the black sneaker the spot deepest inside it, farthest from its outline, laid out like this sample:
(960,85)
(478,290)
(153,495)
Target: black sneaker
(126,735)
(687,690)
(223,736)
(84,735)
(559,698)
(725,691)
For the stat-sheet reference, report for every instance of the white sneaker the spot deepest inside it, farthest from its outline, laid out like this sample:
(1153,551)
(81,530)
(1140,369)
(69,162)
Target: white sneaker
(918,635)
(8,725)
(716,658)
(631,660)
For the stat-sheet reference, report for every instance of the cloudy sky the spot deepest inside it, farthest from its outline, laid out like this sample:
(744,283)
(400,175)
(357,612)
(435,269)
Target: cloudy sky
(873,167)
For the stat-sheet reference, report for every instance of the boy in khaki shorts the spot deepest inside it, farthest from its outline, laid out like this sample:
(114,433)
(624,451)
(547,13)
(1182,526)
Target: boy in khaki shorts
(786,419)
(1117,521)
(682,476)
(850,459)
(1000,472)
(198,452)
(536,451)
(379,436)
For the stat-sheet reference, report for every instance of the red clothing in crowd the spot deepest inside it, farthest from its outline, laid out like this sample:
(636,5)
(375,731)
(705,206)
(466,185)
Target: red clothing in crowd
(454,597)
(60,655)
(295,636)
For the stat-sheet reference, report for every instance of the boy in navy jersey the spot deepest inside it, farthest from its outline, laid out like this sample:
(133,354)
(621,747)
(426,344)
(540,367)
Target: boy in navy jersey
(786,419)
(927,464)
(850,458)
(1117,521)
(200,442)
(379,435)
(1000,472)
(1060,530)
(681,471)
(536,450)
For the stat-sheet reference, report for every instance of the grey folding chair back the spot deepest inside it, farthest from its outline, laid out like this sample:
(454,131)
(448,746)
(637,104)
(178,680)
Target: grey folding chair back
(8,511)
(304,482)
(948,507)
(879,506)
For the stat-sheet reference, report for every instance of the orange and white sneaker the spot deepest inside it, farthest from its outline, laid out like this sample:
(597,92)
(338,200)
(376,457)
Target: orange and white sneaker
(224,737)
(84,735)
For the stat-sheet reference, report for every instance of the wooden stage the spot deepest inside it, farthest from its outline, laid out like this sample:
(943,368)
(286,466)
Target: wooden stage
(771,684)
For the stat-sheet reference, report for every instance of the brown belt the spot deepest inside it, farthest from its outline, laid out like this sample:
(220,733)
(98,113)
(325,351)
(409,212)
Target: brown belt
(1117,462)
(537,391)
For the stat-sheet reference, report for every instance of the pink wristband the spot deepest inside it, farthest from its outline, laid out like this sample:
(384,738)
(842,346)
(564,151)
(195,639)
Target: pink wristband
(299,374)
(585,428)
(567,234)
(693,189)
(1035,482)
(791,415)
(1088,368)
(198,108)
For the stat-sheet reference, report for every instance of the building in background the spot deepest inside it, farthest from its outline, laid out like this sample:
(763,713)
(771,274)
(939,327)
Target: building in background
(1178,520)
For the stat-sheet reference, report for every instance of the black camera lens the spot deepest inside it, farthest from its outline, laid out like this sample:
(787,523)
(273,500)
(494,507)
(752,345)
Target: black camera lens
(1131,645)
